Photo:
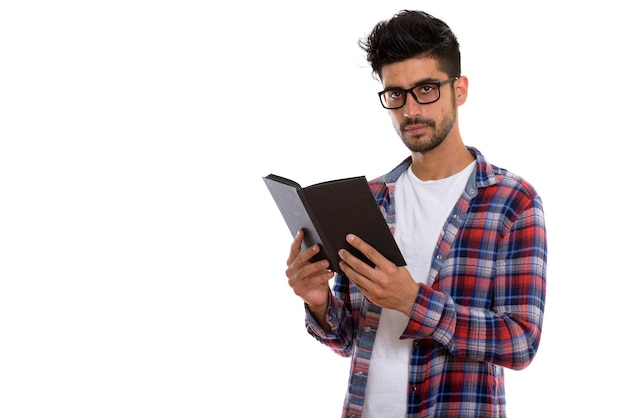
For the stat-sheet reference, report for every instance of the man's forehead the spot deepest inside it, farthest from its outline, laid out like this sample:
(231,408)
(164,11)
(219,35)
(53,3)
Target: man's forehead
(410,72)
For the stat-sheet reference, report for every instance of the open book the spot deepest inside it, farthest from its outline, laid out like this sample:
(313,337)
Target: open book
(329,211)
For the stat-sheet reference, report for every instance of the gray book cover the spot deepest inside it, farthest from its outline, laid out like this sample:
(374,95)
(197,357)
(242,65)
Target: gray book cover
(329,211)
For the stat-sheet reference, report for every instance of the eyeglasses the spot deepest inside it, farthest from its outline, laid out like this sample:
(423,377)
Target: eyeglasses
(423,93)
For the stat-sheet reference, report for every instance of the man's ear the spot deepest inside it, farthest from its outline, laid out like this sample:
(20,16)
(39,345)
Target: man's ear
(460,90)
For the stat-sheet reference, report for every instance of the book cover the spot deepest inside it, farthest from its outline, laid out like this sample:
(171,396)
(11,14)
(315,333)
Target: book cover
(329,211)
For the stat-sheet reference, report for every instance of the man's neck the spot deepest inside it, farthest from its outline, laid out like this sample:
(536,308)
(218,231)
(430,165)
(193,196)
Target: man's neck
(444,161)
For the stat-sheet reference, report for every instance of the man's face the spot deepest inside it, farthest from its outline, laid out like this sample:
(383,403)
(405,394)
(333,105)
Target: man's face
(422,127)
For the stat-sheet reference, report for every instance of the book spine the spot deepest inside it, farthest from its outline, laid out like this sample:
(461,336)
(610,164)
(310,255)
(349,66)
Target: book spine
(328,250)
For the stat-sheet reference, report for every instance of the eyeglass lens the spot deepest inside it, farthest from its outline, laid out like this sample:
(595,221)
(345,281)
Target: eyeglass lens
(425,93)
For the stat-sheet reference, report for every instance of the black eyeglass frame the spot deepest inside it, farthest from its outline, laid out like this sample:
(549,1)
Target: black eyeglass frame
(410,91)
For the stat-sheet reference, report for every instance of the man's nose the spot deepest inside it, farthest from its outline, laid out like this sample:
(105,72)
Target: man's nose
(411,107)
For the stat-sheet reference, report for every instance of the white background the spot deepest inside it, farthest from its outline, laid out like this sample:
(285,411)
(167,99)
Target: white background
(142,258)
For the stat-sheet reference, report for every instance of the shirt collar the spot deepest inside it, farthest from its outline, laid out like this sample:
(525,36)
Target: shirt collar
(484,174)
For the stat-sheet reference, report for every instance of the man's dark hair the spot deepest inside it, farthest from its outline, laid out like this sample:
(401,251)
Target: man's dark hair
(412,34)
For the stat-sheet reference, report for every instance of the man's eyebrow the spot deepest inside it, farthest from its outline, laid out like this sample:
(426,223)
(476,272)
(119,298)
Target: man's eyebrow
(418,83)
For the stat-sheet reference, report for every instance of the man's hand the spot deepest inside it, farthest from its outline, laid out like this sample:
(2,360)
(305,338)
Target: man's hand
(309,280)
(386,284)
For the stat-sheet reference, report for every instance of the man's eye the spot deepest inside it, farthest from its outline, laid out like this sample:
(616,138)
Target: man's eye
(426,88)
(395,94)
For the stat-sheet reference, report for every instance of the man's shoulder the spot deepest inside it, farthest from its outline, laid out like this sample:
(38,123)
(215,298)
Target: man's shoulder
(491,175)
(514,182)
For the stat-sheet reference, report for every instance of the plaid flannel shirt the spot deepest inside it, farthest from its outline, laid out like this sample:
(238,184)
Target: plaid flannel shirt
(481,310)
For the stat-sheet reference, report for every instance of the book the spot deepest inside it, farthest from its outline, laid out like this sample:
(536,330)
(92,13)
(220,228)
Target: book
(330,210)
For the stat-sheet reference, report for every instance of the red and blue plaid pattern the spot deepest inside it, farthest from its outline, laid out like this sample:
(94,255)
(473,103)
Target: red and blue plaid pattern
(482,309)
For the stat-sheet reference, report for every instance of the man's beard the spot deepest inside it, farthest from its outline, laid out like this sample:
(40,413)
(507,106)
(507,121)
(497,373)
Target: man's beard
(421,143)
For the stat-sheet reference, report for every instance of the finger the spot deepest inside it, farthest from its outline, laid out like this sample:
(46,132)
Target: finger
(311,274)
(301,265)
(354,263)
(296,245)
(308,273)
(360,281)
(368,251)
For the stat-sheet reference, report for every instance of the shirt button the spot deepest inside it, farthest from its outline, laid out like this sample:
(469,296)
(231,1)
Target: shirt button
(456,216)
(413,389)
(368,329)
(359,373)
(439,257)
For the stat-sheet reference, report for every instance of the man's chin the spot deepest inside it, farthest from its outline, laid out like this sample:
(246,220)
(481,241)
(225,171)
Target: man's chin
(418,144)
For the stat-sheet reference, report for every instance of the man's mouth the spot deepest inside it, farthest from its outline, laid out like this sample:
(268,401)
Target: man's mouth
(415,129)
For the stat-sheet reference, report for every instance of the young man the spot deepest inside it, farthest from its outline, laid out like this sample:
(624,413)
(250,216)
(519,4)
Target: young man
(431,339)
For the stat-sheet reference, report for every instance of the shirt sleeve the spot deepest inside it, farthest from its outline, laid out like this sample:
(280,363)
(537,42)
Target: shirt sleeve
(339,338)
(507,332)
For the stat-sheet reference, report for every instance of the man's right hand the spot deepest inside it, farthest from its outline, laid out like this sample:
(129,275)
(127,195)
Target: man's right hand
(309,280)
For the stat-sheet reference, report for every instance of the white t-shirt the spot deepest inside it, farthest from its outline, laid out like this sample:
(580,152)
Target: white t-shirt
(422,208)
